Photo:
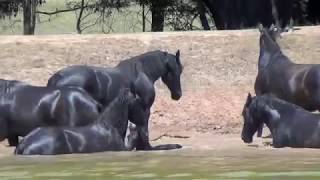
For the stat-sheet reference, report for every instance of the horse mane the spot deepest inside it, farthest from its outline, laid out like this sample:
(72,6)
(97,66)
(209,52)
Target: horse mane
(272,47)
(7,85)
(276,103)
(110,114)
(270,42)
(151,63)
(141,57)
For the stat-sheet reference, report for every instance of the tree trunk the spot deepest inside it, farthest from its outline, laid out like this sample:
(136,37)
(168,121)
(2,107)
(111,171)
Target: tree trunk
(29,16)
(213,7)
(143,18)
(202,12)
(78,27)
(157,9)
(275,13)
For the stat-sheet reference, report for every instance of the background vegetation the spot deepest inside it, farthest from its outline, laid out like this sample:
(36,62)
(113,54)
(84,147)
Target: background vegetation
(108,16)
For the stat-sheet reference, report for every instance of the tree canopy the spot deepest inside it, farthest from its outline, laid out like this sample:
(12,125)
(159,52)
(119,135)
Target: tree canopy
(176,14)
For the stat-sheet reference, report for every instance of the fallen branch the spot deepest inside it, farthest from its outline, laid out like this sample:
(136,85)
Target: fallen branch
(170,136)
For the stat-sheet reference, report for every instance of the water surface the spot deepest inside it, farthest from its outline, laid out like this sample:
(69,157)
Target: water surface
(180,164)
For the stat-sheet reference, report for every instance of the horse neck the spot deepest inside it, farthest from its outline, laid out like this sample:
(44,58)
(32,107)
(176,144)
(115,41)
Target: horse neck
(5,88)
(115,115)
(282,108)
(151,64)
(275,58)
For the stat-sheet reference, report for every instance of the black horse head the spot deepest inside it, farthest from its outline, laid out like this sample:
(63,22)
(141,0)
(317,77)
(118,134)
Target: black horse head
(268,45)
(252,120)
(257,110)
(172,76)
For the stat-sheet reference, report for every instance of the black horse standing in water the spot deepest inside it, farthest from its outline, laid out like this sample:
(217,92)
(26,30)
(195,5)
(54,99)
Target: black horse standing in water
(24,108)
(138,73)
(289,124)
(279,76)
(105,134)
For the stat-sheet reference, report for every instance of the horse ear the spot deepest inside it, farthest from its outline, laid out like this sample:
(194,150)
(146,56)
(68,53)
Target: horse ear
(178,56)
(272,27)
(178,53)
(260,27)
(249,99)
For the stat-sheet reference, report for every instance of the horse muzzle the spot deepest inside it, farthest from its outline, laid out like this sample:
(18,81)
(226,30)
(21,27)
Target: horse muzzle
(176,96)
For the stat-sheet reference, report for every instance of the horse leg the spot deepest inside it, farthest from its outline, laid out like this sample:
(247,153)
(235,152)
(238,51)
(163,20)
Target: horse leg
(278,141)
(13,140)
(143,134)
(260,129)
(143,138)
(131,137)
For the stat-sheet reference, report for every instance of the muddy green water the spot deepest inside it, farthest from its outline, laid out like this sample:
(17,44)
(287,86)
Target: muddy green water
(182,164)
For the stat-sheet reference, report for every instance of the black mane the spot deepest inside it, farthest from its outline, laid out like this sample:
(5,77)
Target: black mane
(114,110)
(274,102)
(6,86)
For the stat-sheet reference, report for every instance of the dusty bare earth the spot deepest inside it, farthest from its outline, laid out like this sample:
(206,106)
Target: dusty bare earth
(219,70)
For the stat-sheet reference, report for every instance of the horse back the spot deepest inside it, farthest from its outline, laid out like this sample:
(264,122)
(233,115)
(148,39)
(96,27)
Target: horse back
(299,129)
(93,138)
(74,76)
(76,107)
(286,82)
(34,106)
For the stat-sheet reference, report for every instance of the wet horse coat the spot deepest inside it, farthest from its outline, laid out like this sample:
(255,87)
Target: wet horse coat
(102,135)
(138,73)
(278,75)
(289,124)
(24,108)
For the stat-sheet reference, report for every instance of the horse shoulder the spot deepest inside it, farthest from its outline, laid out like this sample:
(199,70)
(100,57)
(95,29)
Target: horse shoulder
(145,89)
(261,83)
(312,76)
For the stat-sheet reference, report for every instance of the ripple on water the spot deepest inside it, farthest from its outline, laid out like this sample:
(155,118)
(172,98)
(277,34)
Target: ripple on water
(55,174)
(137,175)
(177,175)
(246,174)
(17,174)
(143,175)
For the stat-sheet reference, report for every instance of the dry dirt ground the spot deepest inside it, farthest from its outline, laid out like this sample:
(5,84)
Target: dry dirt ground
(219,70)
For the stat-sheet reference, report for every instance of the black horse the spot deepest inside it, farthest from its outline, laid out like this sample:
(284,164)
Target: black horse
(24,107)
(278,75)
(289,124)
(105,134)
(139,73)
